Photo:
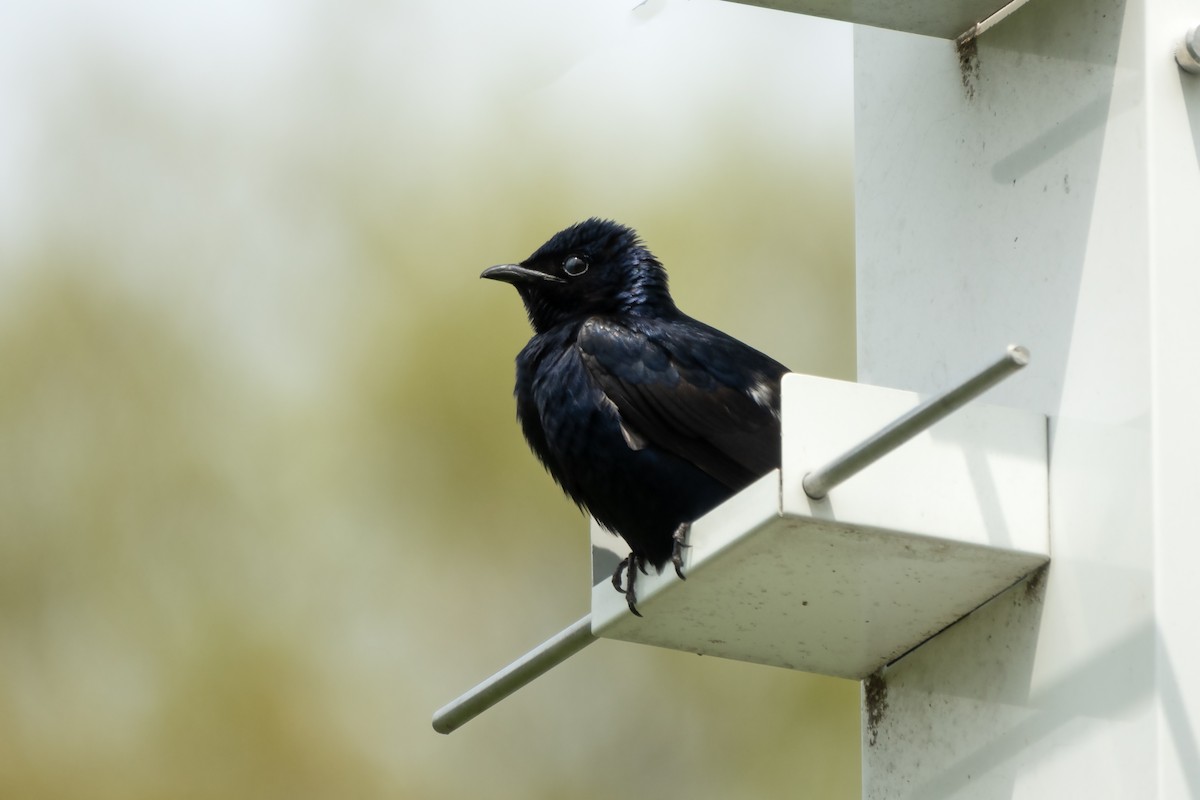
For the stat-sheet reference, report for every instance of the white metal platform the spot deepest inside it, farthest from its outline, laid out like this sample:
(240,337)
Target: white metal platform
(844,585)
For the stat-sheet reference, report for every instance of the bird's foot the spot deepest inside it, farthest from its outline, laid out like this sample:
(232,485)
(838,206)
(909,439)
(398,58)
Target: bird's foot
(680,542)
(627,569)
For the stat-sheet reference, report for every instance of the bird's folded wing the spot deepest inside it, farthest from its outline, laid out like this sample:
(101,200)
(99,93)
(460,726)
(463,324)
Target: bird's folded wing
(692,391)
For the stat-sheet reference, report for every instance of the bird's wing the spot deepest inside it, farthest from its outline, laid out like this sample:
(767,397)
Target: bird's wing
(690,390)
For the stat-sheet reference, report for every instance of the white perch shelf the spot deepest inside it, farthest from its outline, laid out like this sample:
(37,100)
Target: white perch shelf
(843,585)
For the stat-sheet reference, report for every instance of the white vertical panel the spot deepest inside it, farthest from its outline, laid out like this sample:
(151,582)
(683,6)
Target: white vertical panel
(1173,113)
(1048,193)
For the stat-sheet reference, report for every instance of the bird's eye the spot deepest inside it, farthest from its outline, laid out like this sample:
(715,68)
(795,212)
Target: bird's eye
(575,266)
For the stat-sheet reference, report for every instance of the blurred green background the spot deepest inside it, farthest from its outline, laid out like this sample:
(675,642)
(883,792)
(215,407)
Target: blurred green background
(265,504)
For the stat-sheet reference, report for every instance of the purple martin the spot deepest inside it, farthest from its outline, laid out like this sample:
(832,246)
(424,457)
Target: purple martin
(645,417)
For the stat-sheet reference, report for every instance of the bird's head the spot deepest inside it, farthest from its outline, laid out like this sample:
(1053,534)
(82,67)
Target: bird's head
(593,267)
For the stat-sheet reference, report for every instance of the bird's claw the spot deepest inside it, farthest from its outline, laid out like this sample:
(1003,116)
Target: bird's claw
(618,572)
(680,542)
(631,600)
(628,569)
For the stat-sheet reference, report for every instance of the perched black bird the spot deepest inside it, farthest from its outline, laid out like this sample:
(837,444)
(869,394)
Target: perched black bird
(646,417)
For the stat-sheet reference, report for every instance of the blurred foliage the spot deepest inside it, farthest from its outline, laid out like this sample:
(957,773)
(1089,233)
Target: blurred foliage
(265,503)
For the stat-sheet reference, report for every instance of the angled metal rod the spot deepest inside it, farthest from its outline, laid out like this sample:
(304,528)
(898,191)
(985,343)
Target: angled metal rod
(536,662)
(818,482)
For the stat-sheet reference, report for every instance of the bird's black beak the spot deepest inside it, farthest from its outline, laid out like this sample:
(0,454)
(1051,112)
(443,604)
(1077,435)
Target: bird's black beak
(517,275)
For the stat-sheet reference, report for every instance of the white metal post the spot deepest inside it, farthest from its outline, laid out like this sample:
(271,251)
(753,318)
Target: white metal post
(1041,185)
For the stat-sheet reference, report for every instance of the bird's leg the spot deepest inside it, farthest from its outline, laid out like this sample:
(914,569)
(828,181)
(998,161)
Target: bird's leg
(628,569)
(680,538)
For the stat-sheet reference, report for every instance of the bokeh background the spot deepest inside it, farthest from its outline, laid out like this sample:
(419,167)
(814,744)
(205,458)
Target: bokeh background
(265,505)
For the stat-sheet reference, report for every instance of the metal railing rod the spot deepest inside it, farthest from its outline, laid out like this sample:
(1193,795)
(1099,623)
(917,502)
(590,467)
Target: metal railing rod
(818,483)
(536,662)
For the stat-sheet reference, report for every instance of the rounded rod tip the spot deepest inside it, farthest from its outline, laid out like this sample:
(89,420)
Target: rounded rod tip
(1018,355)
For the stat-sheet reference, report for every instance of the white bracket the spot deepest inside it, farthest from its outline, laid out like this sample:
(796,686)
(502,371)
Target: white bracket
(945,19)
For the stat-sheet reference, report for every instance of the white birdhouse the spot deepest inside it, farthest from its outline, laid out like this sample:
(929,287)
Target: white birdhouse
(1034,177)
